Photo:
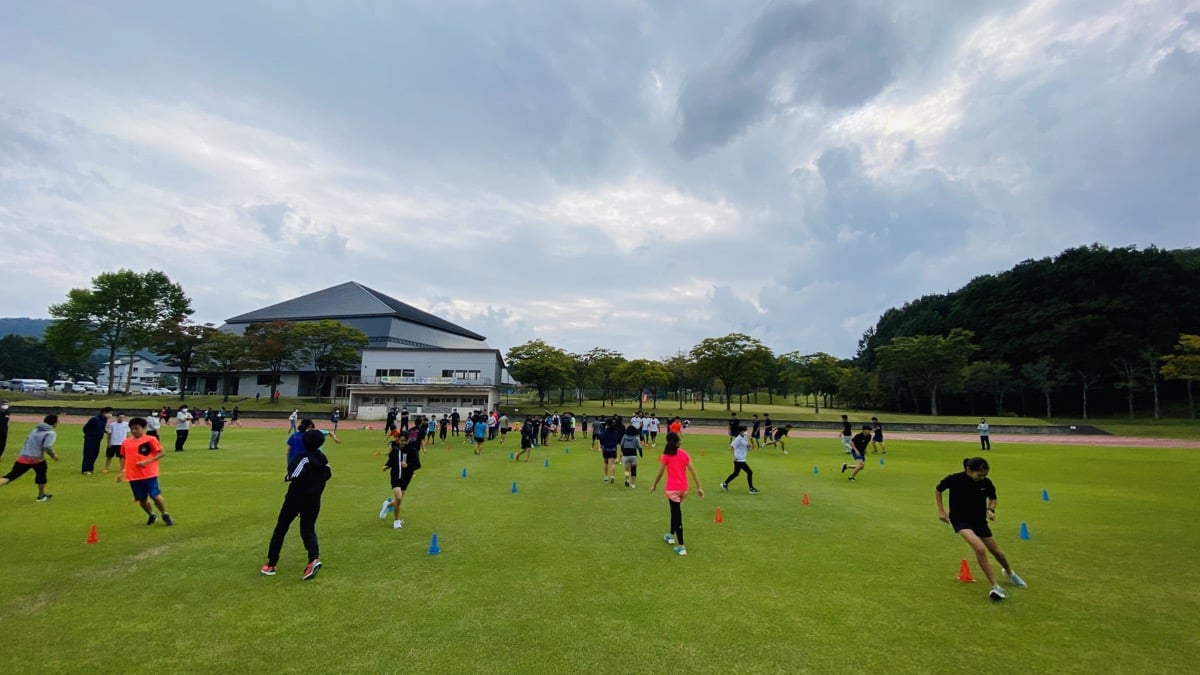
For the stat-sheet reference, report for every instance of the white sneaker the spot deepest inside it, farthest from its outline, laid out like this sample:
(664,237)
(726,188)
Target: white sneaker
(383,510)
(680,550)
(997,593)
(670,539)
(1015,580)
(397,524)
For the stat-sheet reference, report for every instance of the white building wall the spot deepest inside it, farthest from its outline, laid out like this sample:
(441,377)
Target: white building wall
(289,385)
(431,363)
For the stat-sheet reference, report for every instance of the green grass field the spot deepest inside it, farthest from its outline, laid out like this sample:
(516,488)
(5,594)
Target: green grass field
(571,575)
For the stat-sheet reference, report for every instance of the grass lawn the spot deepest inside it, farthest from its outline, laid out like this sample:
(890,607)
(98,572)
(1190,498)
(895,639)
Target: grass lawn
(571,575)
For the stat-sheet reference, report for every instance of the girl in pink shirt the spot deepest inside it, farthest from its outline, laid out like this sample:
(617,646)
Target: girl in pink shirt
(677,464)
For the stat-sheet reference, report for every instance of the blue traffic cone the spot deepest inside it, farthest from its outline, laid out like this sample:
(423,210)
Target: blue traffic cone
(434,549)
(547,465)
(1045,496)
(816,471)
(880,461)
(511,456)
(514,490)
(1024,531)
(566,451)
(464,472)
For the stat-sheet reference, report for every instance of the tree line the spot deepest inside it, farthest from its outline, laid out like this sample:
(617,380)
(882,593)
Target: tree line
(1089,323)
(125,312)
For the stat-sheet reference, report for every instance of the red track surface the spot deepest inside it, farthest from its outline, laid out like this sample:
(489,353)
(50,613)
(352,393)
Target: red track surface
(833,435)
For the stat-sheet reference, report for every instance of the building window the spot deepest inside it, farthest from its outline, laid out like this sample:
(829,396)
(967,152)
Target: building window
(264,380)
(461,374)
(395,372)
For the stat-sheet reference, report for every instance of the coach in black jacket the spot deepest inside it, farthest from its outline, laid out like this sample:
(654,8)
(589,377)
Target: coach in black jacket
(306,480)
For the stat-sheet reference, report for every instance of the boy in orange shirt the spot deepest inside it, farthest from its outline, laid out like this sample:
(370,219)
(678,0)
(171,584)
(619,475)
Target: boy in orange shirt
(139,465)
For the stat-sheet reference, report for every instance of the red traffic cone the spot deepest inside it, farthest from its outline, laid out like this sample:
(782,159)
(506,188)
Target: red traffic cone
(964,573)
(376,453)
(720,518)
(92,538)
(805,500)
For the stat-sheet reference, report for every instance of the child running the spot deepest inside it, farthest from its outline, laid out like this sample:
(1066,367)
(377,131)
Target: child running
(140,453)
(631,449)
(972,505)
(403,461)
(677,464)
(528,433)
(877,438)
(306,480)
(38,444)
(740,447)
(858,450)
(779,438)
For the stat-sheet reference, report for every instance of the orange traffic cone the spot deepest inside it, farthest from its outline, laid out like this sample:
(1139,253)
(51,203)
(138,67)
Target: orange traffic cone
(720,518)
(964,573)
(92,538)
(805,500)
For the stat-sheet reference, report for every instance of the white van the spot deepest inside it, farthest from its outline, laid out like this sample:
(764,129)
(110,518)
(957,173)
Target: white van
(84,386)
(27,384)
(61,385)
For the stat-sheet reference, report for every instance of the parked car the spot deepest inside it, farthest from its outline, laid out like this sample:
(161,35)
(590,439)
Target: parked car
(28,384)
(62,385)
(84,387)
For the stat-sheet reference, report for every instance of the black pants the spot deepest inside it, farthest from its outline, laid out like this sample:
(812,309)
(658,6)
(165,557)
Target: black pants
(739,467)
(3,441)
(180,438)
(91,452)
(985,443)
(307,510)
(676,521)
(19,469)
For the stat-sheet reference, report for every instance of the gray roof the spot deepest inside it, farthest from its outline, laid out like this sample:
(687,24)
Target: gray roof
(345,301)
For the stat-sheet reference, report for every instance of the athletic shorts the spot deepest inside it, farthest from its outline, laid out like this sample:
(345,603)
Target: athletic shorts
(20,468)
(113,451)
(609,453)
(877,438)
(595,433)
(857,457)
(629,460)
(145,488)
(404,479)
(980,527)
(503,430)
(676,495)
(755,434)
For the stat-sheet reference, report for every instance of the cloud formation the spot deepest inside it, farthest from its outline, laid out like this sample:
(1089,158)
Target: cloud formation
(633,176)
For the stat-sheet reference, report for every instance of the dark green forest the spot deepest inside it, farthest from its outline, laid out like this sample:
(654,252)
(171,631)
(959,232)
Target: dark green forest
(1087,327)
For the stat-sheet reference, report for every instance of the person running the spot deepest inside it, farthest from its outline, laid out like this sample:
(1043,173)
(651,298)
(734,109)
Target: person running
(443,428)
(306,479)
(597,431)
(972,505)
(631,449)
(503,428)
(847,434)
(292,421)
(858,445)
(768,427)
(118,431)
(335,417)
(431,431)
(780,438)
(402,461)
(235,417)
(677,464)
(140,454)
(609,439)
(734,425)
(756,432)
(38,444)
(675,427)
(877,436)
(985,441)
(390,425)
(480,430)
(739,447)
(183,422)
(528,434)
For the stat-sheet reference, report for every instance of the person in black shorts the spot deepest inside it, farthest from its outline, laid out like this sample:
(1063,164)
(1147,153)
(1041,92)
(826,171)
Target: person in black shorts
(779,438)
(858,450)
(756,433)
(403,459)
(972,505)
(528,434)
(877,437)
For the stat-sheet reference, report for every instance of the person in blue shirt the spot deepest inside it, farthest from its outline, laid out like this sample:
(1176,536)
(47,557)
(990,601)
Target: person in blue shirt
(480,430)
(295,442)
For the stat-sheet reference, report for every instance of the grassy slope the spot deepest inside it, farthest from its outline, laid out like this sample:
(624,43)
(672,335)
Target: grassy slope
(570,574)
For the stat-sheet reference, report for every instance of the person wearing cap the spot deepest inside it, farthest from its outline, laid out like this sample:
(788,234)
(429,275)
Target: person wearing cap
(306,478)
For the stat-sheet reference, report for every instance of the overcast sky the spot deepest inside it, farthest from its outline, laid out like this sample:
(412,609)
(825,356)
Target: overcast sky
(638,175)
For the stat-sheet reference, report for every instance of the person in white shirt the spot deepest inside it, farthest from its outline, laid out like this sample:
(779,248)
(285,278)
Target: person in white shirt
(650,427)
(985,442)
(183,422)
(740,448)
(118,430)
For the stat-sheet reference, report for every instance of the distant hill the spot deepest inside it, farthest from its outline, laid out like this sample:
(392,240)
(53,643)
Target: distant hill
(24,326)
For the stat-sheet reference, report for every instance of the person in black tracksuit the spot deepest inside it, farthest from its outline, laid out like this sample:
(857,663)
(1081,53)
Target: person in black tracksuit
(403,459)
(306,480)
